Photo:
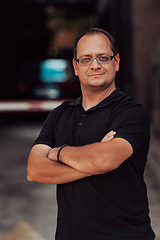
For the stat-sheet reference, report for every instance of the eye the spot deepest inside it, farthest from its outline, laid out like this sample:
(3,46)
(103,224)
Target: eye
(85,60)
(104,58)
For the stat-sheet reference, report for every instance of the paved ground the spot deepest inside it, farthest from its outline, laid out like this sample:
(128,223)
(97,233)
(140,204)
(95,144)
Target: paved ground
(154,201)
(20,199)
(30,208)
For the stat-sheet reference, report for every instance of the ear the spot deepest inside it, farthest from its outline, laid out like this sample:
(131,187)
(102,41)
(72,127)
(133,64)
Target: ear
(75,67)
(117,62)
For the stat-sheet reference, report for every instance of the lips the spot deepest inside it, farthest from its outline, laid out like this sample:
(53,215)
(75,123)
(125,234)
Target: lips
(96,74)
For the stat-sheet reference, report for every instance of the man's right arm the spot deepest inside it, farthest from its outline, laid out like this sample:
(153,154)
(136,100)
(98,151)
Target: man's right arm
(42,169)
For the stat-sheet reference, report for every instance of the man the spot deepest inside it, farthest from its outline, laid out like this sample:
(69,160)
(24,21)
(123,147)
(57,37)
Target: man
(95,149)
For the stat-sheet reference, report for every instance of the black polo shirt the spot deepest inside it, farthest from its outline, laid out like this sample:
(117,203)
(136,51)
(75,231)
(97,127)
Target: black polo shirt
(109,206)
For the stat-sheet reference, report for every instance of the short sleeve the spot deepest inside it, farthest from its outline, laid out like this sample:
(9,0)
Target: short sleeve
(132,124)
(47,136)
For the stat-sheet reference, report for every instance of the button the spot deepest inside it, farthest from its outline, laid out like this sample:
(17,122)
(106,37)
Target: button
(80,124)
(83,114)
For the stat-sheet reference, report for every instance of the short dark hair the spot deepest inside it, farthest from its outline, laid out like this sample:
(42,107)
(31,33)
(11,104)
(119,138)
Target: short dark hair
(92,31)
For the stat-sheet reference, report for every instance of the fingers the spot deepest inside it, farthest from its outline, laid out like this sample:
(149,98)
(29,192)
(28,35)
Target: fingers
(52,154)
(109,136)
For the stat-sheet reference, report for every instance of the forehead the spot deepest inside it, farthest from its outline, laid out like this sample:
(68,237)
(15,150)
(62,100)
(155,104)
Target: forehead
(94,44)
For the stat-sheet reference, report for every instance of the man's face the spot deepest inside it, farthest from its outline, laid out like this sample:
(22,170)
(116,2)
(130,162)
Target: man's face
(95,75)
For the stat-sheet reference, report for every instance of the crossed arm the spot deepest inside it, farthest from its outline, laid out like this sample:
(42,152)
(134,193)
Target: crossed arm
(79,162)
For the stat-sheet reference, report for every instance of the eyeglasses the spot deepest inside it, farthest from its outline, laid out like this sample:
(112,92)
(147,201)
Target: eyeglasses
(89,60)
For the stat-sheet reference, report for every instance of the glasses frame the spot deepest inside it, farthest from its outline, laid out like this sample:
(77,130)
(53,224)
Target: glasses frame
(111,57)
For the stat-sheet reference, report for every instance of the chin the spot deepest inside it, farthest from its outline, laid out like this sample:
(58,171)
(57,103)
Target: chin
(98,83)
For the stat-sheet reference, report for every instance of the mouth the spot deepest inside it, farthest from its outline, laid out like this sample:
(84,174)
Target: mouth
(96,74)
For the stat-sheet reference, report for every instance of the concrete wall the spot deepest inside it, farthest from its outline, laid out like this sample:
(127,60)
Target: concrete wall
(145,35)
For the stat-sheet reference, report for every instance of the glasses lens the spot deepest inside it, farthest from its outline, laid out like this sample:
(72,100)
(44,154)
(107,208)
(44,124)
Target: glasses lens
(104,59)
(85,61)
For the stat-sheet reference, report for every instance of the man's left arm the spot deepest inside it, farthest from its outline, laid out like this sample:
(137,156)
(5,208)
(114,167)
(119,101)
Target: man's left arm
(96,158)
(131,124)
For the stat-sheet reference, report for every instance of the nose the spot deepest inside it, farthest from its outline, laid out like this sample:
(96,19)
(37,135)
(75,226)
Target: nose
(95,64)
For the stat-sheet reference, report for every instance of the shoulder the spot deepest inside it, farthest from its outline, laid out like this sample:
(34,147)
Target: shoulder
(130,119)
(63,108)
(129,105)
(66,104)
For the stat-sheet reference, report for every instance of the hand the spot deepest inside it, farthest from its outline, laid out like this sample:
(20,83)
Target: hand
(109,136)
(52,154)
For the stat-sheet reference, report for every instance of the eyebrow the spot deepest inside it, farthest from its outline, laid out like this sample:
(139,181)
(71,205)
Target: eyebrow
(99,54)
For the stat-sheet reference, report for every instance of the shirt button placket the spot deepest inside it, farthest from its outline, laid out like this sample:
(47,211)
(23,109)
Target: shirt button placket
(82,119)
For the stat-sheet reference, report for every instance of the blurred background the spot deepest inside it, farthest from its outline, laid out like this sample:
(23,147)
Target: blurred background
(36,75)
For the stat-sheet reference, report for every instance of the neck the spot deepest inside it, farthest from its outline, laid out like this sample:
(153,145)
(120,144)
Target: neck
(92,98)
